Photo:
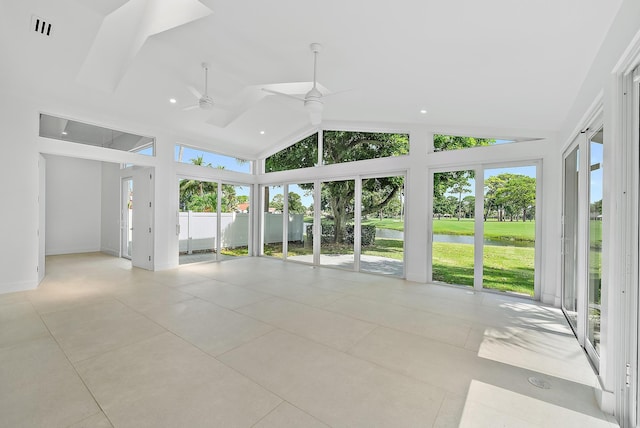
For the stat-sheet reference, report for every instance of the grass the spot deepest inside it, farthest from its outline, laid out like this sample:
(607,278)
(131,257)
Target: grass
(503,230)
(505,268)
(385,223)
(496,230)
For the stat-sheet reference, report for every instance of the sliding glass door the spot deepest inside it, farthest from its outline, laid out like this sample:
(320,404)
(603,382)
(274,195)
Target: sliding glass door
(582,239)
(484,228)
(570,238)
(452,254)
(594,269)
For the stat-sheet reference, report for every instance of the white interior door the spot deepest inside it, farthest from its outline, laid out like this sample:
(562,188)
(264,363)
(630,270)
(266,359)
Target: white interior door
(142,219)
(126,216)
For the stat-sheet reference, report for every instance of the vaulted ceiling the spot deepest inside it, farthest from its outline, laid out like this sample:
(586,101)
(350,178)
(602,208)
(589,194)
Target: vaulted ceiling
(494,63)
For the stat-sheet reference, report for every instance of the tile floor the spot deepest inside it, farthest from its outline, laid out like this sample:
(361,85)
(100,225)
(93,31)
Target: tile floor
(256,342)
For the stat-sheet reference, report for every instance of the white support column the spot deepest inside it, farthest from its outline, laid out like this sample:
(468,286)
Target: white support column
(317,227)
(357,224)
(417,227)
(478,230)
(285,222)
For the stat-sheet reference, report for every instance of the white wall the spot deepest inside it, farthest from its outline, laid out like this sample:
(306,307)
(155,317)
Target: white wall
(73,205)
(110,212)
(18,195)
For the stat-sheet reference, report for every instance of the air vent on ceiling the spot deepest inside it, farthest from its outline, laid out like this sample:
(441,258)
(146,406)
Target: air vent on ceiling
(41,26)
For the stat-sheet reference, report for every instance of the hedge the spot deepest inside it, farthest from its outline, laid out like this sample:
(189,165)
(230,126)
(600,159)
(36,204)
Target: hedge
(368,234)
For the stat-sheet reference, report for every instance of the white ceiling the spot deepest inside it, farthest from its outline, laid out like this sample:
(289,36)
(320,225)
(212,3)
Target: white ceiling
(492,63)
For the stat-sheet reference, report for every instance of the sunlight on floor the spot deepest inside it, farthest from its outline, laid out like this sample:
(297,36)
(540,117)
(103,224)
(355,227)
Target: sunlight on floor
(490,406)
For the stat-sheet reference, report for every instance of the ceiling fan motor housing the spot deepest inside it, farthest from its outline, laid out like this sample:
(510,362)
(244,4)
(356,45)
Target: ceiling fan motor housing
(205,103)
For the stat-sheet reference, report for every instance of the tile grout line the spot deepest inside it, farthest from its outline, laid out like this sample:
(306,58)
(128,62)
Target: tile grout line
(77,374)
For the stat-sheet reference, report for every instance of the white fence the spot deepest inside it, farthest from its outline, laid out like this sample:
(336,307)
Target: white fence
(273,228)
(198,231)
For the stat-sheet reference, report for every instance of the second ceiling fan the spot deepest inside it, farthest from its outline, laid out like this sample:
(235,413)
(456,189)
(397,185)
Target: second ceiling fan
(313,100)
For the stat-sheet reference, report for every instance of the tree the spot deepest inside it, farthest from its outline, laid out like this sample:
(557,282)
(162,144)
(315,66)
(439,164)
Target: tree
(443,182)
(469,206)
(520,191)
(191,188)
(303,154)
(460,186)
(452,142)
(343,146)
(510,195)
(295,203)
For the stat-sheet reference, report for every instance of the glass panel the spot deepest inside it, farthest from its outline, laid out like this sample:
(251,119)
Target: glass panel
(198,221)
(184,154)
(337,204)
(595,238)
(300,245)
(303,154)
(453,227)
(570,234)
(272,221)
(128,187)
(234,218)
(382,238)
(348,146)
(452,142)
(84,133)
(509,229)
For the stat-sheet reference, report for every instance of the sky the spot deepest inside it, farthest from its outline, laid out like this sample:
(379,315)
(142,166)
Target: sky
(232,164)
(229,163)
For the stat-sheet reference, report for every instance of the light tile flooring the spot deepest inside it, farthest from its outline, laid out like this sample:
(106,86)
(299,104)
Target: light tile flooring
(257,342)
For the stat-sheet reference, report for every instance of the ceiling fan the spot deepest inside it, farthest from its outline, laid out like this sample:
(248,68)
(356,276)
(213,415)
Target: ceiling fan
(205,102)
(312,99)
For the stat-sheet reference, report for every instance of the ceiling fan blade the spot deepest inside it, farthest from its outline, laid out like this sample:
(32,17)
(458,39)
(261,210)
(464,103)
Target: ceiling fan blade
(192,107)
(336,93)
(195,92)
(283,94)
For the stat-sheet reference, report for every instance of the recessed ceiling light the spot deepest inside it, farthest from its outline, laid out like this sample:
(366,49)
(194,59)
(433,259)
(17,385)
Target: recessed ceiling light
(423,111)
(172,100)
(64,132)
(261,132)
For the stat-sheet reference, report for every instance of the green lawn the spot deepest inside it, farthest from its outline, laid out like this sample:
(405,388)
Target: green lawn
(503,230)
(385,223)
(505,268)
(498,230)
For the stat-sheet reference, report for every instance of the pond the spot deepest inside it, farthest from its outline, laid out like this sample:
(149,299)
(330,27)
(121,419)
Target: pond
(454,239)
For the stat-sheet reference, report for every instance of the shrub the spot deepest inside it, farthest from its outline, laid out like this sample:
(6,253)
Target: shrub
(368,234)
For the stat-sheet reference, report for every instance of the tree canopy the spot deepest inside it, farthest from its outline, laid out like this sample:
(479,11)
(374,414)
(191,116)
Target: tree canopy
(346,146)
(295,203)
(202,196)
(510,195)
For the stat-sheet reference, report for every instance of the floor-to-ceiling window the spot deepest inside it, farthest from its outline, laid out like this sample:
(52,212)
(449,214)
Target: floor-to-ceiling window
(484,227)
(570,236)
(301,221)
(382,225)
(197,220)
(594,289)
(273,213)
(583,237)
(453,227)
(508,253)
(337,207)
(234,220)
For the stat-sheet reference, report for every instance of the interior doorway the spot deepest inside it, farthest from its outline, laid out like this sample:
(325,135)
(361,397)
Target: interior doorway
(86,206)
(126,218)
